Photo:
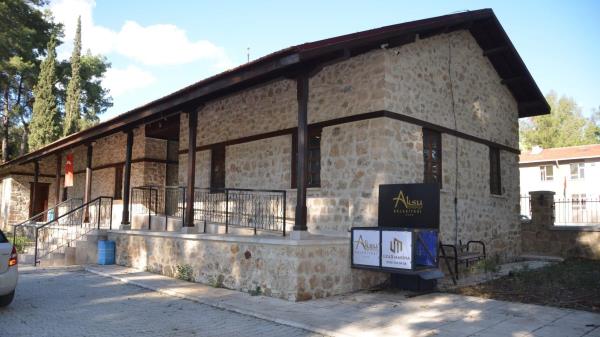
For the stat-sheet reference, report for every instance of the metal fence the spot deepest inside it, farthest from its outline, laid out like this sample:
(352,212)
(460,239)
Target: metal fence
(252,208)
(576,212)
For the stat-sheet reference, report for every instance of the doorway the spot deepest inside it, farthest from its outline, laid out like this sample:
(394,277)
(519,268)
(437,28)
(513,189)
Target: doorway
(40,203)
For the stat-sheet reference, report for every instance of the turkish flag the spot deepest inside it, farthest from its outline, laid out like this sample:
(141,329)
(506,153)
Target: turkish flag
(69,171)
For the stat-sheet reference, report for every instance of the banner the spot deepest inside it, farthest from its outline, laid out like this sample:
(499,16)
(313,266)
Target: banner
(396,249)
(69,170)
(365,247)
(409,206)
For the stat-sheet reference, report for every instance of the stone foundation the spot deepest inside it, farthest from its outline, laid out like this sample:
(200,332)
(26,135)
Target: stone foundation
(276,267)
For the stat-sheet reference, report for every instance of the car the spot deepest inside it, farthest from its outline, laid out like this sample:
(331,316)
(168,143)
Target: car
(9,273)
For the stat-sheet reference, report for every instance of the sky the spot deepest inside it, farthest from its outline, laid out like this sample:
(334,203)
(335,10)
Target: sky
(157,47)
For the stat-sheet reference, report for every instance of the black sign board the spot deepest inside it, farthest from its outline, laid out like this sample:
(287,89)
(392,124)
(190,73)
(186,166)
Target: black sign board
(409,206)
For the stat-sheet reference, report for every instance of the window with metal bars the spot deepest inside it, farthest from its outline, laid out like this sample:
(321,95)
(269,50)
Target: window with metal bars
(313,158)
(217,167)
(118,194)
(495,173)
(432,156)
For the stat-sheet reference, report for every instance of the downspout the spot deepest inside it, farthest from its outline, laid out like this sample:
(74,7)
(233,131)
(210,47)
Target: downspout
(456,241)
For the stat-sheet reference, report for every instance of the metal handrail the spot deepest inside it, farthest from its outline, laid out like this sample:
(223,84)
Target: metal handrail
(56,220)
(30,220)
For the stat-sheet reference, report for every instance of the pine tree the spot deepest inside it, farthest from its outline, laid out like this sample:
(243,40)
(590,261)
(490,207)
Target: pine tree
(72,113)
(45,119)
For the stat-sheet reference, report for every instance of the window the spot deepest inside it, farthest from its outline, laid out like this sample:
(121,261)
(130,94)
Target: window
(118,182)
(432,156)
(578,201)
(495,174)
(313,156)
(546,173)
(577,171)
(217,167)
(65,194)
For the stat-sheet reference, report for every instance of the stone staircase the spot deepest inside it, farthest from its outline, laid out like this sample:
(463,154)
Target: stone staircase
(78,252)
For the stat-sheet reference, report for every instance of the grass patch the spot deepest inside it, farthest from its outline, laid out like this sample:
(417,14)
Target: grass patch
(573,283)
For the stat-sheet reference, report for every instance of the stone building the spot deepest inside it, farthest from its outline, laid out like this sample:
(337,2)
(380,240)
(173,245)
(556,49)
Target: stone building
(298,142)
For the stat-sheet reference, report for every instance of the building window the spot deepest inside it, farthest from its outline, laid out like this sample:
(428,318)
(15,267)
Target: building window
(578,201)
(313,158)
(495,174)
(546,173)
(432,156)
(217,167)
(65,194)
(118,182)
(577,171)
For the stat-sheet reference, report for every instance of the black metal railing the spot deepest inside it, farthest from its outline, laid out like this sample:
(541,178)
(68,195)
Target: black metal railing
(24,232)
(173,201)
(577,212)
(251,208)
(144,200)
(55,235)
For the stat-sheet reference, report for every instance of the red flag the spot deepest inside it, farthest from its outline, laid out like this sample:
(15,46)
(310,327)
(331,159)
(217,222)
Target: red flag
(69,171)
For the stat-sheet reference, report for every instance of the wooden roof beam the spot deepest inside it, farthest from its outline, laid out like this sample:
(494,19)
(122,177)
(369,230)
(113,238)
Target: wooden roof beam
(514,79)
(496,50)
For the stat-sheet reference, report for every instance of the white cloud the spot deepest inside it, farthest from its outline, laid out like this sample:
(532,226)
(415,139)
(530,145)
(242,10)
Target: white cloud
(120,81)
(156,45)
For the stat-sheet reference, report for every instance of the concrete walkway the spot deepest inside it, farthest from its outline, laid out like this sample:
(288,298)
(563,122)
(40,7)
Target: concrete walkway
(380,313)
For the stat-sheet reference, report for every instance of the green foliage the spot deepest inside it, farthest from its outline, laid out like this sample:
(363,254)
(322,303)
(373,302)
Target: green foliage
(20,242)
(564,126)
(256,292)
(25,31)
(184,272)
(45,119)
(71,122)
(489,266)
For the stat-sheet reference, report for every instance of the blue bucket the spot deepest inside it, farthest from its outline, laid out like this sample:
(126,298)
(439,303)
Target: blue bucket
(106,252)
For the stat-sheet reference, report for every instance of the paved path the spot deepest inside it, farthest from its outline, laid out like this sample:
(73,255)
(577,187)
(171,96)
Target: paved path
(382,314)
(78,303)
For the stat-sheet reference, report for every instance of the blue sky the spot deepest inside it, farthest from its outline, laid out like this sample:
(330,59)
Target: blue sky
(157,47)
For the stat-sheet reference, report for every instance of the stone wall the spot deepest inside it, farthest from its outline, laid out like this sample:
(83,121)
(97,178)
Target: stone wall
(291,270)
(424,80)
(540,237)
(436,78)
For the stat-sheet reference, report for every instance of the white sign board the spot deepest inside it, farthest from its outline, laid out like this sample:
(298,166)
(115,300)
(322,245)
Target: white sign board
(396,249)
(365,248)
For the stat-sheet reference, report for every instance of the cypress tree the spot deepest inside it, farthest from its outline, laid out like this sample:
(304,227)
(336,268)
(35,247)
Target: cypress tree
(72,116)
(45,118)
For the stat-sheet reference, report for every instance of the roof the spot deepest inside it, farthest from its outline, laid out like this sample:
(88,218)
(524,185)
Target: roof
(560,153)
(483,25)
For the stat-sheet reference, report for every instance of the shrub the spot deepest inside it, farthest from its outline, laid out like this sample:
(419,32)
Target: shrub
(184,272)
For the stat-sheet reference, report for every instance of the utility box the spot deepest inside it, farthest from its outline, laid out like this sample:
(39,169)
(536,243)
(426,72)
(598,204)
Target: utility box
(106,252)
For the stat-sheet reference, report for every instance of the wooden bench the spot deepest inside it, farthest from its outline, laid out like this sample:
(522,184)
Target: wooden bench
(463,253)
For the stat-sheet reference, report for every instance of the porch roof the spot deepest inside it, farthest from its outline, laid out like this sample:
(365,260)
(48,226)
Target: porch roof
(483,25)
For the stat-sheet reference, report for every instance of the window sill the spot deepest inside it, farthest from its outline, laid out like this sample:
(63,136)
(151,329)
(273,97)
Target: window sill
(499,196)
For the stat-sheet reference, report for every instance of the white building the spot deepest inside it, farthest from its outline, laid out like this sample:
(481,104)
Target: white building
(573,173)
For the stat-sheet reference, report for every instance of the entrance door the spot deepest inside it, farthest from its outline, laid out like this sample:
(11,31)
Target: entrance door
(41,200)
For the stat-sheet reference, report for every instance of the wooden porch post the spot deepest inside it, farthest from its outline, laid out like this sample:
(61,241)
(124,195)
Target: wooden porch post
(88,180)
(36,176)
(191,169)
(301,168)
(57,183)
(125,224)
